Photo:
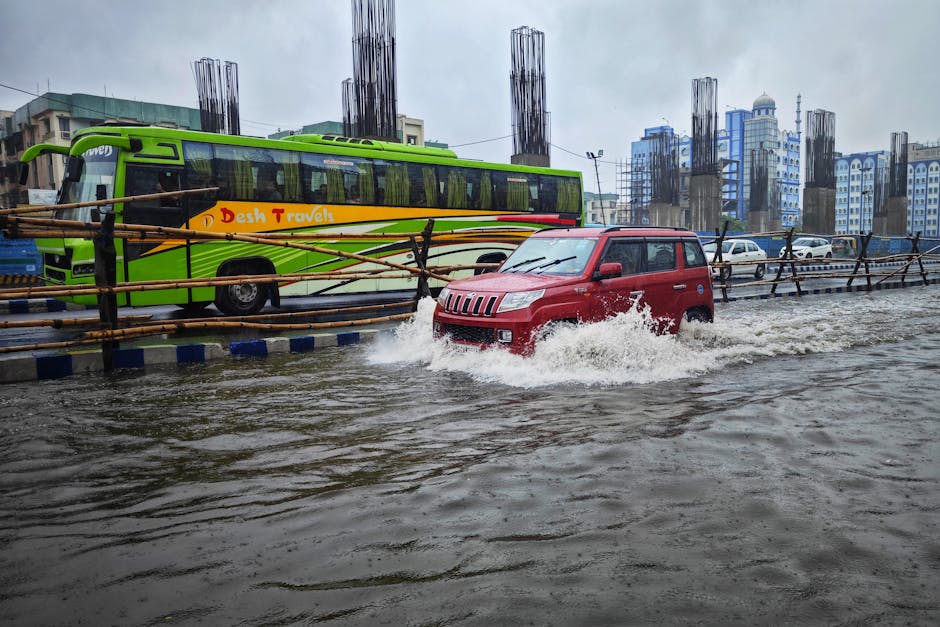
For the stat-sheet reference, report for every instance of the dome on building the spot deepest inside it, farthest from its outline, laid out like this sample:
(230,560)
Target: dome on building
(764,102)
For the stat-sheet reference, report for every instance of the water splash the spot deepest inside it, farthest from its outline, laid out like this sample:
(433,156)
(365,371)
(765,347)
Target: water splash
(624,350)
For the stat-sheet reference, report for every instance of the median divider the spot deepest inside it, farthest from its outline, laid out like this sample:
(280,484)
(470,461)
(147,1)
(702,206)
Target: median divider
(39,366)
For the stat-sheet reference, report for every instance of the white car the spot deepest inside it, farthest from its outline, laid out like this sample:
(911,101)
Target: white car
(809,247)
(737,250)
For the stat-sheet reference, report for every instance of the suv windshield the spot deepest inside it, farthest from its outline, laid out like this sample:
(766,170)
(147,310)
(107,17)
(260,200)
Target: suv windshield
(98,170)
(551,255)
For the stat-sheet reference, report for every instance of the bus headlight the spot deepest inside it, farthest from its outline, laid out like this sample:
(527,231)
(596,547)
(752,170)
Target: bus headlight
(519,300)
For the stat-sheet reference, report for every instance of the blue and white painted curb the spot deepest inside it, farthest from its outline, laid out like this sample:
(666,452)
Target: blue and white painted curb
(34,367)
(38,305)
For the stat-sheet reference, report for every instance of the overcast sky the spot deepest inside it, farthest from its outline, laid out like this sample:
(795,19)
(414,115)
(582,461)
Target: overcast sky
(613,67)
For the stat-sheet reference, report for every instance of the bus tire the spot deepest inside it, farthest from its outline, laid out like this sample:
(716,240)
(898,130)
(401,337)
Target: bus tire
(242,299)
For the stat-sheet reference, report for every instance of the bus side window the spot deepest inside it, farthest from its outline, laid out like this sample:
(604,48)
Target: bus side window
(197,174)
(140,180)
(548,193)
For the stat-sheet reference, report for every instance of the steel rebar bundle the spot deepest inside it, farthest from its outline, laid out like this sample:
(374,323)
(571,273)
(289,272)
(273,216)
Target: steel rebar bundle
(879,204)
(370,96)
(820,148)
(704,126)
(761,162)
(527,89)
(664,169)
(217,85)
(897,173)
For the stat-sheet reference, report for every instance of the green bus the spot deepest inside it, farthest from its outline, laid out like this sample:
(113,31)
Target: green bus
(301,183)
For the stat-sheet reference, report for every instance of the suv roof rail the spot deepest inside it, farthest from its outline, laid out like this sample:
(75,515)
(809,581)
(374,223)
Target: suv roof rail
(620,228)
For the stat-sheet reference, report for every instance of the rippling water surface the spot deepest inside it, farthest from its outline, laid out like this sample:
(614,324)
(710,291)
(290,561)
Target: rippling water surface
(777,467)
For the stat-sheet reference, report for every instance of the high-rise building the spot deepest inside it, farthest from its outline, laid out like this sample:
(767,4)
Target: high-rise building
(923,188)
(860,177)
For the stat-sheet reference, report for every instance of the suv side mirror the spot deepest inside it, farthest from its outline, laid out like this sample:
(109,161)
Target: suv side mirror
(73,169)
(608,270)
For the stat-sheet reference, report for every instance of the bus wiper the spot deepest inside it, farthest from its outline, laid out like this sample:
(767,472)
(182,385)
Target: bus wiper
(554,262)
(522,263)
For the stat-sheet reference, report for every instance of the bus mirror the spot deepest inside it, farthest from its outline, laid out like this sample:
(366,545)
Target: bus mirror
(73,169)
(24,173)
(95,214)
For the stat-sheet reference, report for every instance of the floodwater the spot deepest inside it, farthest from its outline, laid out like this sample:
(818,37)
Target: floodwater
(777,467)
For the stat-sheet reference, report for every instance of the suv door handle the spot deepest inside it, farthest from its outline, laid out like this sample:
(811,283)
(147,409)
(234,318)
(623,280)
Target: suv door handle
(680,286)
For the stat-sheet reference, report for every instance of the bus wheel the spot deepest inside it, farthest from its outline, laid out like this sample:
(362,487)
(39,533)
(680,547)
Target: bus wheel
(243,299)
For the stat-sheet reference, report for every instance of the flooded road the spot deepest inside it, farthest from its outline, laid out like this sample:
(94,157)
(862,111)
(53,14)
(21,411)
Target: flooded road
(780,466)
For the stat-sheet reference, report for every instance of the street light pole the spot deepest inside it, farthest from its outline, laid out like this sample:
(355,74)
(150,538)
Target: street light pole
(595,157)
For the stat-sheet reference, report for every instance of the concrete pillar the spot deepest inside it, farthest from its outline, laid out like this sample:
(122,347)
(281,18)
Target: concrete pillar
(819,210)
(665,215)
(704,203)
(539,161)
(896,218)
(760,222)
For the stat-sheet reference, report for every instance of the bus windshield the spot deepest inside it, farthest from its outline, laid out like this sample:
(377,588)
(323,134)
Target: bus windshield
(99,169)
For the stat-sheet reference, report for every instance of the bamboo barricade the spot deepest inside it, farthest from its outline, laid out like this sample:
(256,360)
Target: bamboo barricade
(141,326)
(106,288)
(787,259)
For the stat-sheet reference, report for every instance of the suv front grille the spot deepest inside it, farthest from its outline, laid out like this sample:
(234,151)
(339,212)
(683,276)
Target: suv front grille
(463,333)
(470,304)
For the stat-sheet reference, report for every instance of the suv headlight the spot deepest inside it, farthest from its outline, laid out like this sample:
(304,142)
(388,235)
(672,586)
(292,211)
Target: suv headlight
(519,300)
(442,297)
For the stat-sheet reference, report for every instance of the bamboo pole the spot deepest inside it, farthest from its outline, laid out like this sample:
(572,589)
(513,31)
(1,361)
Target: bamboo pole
(96,337)
(251,239)
(58,291)
(108,201)
(59,323)
(88,231)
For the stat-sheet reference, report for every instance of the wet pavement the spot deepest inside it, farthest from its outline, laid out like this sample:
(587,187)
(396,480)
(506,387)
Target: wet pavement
(777,467)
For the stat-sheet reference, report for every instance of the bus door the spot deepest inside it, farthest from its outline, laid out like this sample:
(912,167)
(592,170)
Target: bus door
(149,260)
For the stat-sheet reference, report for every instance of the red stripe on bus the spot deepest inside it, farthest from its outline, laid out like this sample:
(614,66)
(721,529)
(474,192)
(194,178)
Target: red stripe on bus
(538,219)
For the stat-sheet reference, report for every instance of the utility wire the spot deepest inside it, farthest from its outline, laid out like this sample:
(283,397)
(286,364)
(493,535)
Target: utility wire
(581,155)
(482,141)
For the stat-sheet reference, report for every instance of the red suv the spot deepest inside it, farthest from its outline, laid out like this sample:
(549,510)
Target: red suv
(578,275)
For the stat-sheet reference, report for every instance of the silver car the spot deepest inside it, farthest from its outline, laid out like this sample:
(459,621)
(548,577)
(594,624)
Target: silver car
(737,250)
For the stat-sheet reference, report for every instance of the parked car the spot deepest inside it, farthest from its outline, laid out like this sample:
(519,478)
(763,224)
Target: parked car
(809,247)
(578,275)
(737,251)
